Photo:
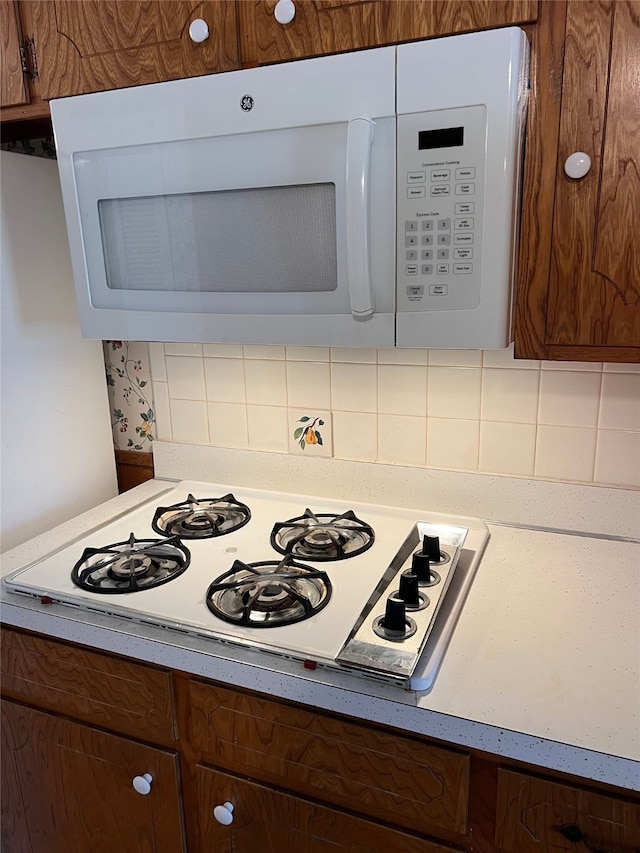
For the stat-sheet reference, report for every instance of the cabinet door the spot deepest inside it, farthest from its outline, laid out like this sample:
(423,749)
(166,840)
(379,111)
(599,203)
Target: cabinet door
(594,295)
(332,26)
(68,787)
(13,89)
(274,822)
(91,45)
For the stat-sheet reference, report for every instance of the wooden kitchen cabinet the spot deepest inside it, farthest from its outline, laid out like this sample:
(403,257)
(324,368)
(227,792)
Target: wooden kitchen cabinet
(332,26)
(13,84)
(579,293)
(67,787)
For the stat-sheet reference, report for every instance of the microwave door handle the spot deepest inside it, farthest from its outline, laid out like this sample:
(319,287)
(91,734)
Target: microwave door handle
(359,139)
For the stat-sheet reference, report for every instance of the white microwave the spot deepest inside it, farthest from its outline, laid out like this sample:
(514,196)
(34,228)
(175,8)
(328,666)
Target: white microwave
(361,199)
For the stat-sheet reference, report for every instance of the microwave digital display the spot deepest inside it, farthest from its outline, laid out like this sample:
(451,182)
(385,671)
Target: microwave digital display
(444,137)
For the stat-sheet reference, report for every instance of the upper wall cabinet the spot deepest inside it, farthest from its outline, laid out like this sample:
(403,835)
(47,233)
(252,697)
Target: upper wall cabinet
(90,45)
(331,26)
(13,87)
(580,295)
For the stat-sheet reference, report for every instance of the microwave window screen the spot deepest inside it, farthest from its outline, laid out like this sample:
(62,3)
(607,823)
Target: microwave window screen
(267,240)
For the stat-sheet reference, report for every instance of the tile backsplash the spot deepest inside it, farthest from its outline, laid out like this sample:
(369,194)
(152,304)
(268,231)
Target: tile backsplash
(466,410)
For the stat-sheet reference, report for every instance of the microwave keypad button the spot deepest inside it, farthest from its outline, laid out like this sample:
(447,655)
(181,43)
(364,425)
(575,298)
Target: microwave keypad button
(462,269)
(465,189)
(438,290)
(466,173)
(443,254)
(462,254)
(464,207)
(444,239)
(416,177)
(411,269)
(444,224)
(416,192)
(463,239)
(415,290)
(440,190)
(427,224)
(411,256)
(442,269)
(426,269)
(411,225)
(427,254)
(427,239)
(464,224)
(440,175)
(410,240)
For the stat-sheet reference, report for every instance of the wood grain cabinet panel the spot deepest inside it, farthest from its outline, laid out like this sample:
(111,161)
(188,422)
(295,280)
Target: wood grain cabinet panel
(120,695)
(333,26)
(274,822)
(531,813)
(91,45)
(390,777)
(68,787)
(13,87)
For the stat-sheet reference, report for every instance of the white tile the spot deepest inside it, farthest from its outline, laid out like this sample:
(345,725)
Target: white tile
(456,357)
(565,453)
(569,398)
(310,432)
(265,382)
(402,389)
(307,353)
(402,356)
(227,425)
(189,421)
(618,458)
(185,377)
(183,349)
(509,395)
(267,428)
(590,366)
(611,367)
(402,439)
(505,358)
(355,436)
(620,403)
(507,448)
(452,443)
(354,355)
(454,392)
(157,365)
(309,384)
(223,350)
(264,352)
(354,387)
(162,410)
(224,380)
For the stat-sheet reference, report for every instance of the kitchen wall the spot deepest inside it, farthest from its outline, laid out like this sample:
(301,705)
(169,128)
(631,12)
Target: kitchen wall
(465,409)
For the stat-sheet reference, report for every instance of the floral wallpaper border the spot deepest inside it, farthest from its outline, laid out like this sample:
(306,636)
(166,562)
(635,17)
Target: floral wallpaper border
(130,398)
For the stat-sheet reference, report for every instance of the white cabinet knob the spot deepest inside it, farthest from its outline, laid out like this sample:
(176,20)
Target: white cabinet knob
(142,784)
(285,11)
(577,164)
(198,30)
(224,814)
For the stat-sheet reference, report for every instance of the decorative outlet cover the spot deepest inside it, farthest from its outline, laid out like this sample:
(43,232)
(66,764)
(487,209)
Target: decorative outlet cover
(310,432)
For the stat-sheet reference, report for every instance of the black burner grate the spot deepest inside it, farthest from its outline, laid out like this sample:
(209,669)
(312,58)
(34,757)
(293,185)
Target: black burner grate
(323,536)
(201,518)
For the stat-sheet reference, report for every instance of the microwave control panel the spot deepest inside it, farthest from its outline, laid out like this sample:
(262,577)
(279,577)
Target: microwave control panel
(440,210)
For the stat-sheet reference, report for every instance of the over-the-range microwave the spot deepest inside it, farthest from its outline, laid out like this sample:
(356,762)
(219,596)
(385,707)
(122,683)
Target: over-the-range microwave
(361,199)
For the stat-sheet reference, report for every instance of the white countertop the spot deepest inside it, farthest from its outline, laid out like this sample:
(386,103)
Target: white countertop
(543,667)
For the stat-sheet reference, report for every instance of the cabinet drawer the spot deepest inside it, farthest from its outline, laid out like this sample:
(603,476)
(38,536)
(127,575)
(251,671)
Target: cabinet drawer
(378,773)
(530,811)
(276,821)
(116,694)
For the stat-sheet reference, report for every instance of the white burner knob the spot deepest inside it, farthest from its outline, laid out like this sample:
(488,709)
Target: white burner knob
(577,164)
(285,11)
(142,784)
(224,814)
(198,30)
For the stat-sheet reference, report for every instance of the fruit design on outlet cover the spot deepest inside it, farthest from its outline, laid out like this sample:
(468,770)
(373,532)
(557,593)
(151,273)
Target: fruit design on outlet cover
(309,432)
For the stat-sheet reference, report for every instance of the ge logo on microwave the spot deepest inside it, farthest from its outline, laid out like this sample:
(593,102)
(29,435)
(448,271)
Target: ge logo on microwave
(246,103)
